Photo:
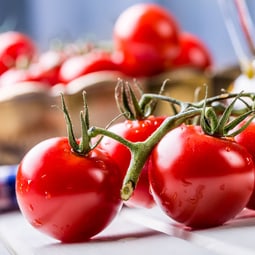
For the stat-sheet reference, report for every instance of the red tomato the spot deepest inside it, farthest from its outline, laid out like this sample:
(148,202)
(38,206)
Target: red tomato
(14,75)
(134,131)
(200,180)
(247,139)
(15,47)
(193,53)
(68,197)
(145,37)
(79,65)
(46,69)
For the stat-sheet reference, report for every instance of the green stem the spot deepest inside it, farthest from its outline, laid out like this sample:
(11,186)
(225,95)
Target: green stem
(94,131)
(149,96)
(83,147)
(140,151)
(71,138)
(184,105)
(223,97)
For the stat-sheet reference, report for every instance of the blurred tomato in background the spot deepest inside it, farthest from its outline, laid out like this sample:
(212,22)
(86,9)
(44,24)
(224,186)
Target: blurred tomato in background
(145,36)
(193,52)
(95,21)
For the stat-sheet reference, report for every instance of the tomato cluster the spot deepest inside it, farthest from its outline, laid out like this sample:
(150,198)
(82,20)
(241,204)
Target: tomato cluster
(21,60)
(71,189)
(146,41)
(201,177)
(134,131)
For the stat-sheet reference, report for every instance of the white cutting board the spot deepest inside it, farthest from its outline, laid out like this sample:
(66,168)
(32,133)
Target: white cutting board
(129,234)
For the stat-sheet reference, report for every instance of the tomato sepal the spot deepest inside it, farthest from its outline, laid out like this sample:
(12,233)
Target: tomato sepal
(83,146)
(221,126)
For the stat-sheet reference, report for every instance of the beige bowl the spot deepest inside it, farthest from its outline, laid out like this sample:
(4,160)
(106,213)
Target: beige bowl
(31,112)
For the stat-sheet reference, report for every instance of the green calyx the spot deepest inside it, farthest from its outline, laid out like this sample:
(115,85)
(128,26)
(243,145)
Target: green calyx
(132,107)
(81,147)
(221,125)
(215,114)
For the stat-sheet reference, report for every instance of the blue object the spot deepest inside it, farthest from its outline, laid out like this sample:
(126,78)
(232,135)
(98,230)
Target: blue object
(7,188)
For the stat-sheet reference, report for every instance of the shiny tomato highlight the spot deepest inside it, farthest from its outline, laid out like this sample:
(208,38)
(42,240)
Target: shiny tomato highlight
(199,180)
(67,196)
(134,131)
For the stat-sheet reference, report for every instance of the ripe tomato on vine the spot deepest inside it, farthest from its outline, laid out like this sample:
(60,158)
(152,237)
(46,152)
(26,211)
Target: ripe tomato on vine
(200,180)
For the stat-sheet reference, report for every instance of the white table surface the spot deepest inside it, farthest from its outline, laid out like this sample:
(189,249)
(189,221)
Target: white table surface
(129,233)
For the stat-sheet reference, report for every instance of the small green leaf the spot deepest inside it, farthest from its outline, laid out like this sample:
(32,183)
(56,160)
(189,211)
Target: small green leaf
(70,133)
(237,121)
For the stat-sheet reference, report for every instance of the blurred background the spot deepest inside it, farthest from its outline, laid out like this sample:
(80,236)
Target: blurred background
(28,116)
(69,20)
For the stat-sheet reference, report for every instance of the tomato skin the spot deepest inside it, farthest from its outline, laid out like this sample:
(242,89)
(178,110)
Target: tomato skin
(14,75)
(14,46)
(145,36)
(68,197)
(46,68)
(246,139)
(134,131)
(79,65)
(200,180)
(193,53)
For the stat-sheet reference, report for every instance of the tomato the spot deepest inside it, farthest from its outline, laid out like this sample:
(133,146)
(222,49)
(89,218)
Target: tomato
(68,197)
(246,139)
(134,131)
(145,36)
(193,53)
(79,65)
(14,75)
(46,68)
(15,47)
(200,180)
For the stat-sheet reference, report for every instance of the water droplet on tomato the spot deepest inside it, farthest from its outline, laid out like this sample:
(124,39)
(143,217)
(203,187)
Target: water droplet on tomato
(27,186)
(227,149)
(31,208)
(37,223)
(186,182)
(198,195)
(193,200)
(43,176)
(199,191)
(47,195)
(248,160)
(174,196)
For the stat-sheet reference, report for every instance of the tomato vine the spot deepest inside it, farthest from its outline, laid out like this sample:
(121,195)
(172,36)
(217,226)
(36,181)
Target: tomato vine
(207,109)
(74,163)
